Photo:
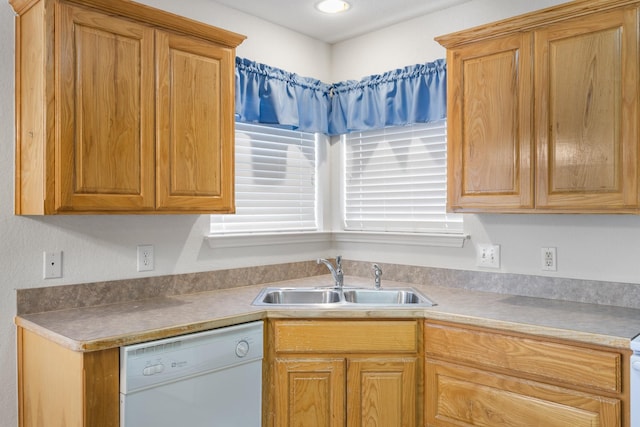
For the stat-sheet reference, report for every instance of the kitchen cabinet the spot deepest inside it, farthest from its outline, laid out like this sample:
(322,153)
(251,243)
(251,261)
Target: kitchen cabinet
(543,111)
(345,373)
(477,377)
(64,387)
(122,108)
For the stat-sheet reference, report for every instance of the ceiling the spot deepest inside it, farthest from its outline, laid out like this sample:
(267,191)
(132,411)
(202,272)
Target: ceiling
(363,17)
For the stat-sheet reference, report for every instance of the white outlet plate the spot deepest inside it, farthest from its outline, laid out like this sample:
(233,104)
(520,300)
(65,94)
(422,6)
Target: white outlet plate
(145,258)
(549,259)
(488,256)
(52,265)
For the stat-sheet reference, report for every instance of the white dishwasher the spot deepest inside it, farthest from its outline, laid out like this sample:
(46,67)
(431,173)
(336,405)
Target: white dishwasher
(205,379)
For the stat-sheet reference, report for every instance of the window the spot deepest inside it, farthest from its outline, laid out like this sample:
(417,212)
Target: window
(395,180)
(275,182)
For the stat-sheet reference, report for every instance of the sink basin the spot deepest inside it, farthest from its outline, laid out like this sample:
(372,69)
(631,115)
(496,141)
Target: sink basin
(297,296)
(349,297)
(386,297)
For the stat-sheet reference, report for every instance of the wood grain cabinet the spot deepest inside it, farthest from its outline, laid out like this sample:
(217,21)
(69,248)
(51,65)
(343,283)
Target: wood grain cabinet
(121,108)
(543,111)
(480,377)
(344,373)
(57,386)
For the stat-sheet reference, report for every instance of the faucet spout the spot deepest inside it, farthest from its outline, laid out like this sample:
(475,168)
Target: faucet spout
(338,275)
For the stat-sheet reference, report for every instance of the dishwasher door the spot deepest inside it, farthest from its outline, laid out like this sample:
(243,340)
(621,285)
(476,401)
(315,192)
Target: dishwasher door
(206,379)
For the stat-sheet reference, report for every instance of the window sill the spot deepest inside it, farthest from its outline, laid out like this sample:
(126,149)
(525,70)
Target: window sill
(246,240)
(454,240)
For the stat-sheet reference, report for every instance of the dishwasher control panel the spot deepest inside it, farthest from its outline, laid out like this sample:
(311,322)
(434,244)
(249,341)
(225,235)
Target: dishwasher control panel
(152,363)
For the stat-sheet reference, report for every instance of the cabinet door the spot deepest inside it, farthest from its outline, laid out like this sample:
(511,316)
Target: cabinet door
(489,125)
(587,113)
(309,393)
(195,125)
(104,153)
(381,392)
(461,396)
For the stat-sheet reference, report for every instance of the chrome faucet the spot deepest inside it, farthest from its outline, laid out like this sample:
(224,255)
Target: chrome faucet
(377,273)
(337,274)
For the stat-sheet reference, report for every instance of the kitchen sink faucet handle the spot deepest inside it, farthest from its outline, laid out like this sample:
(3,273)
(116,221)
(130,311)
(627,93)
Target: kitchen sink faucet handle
(377,274)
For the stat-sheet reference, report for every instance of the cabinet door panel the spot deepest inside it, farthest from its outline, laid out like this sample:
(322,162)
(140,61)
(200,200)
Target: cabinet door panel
(547,361)
(309,393)
(195,125)
(586,87)
(104,156)
(460,396)
(489,125)
(381,392)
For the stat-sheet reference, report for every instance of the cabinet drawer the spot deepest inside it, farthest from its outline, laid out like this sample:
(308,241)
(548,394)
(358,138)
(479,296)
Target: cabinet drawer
(312,336)
(462,396)
(557,362)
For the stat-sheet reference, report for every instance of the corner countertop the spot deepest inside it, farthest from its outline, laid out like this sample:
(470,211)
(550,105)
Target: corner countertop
(108,326)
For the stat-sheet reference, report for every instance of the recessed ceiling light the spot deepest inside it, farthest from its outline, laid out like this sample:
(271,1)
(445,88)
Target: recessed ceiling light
(333,6)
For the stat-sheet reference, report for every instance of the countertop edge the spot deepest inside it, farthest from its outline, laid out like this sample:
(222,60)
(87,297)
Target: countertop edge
(351,314)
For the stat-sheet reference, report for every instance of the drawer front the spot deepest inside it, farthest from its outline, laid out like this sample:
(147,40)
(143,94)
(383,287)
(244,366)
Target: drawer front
(313,336)
(462,396)
(563,363)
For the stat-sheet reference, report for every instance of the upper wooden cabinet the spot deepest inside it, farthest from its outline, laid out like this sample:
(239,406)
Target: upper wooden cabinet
(543,111)
(122,108)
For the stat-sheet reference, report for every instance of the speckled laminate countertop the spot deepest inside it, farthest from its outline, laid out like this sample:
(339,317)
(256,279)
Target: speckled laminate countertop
(108,326)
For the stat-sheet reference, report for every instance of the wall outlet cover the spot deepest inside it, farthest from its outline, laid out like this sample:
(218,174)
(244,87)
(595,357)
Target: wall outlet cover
(52,265)
(145,258)
(549,259)
(488,256)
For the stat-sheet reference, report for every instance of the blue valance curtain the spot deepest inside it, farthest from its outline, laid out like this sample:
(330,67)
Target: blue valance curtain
(414,94)
(269,95)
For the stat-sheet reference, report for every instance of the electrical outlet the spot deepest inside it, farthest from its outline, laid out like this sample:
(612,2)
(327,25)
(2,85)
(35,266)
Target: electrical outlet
(52,265)
(549,259)
(145,258)
(488,256)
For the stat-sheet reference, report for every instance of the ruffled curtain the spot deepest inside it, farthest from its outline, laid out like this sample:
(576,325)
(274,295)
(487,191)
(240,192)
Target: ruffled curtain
(269,95)
(414,94)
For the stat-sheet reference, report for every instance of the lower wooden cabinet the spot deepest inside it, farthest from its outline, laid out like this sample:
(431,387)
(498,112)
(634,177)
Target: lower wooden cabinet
(462,396)
(309,392)
(481,377)
(61,387)
(368,373)
(345,373)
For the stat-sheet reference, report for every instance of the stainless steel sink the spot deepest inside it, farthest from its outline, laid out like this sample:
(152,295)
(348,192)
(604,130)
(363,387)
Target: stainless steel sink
(348,297)
(297,296)
(386,297)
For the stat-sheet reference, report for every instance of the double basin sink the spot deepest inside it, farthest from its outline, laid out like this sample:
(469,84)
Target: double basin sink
(353,297)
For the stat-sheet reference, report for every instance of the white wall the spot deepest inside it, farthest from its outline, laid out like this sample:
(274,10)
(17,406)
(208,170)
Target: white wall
(266,42)
(411,42)
(598,247)
(98,248)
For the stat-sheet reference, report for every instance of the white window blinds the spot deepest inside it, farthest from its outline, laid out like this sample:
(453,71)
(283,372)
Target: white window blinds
(395,179)
(275,182)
